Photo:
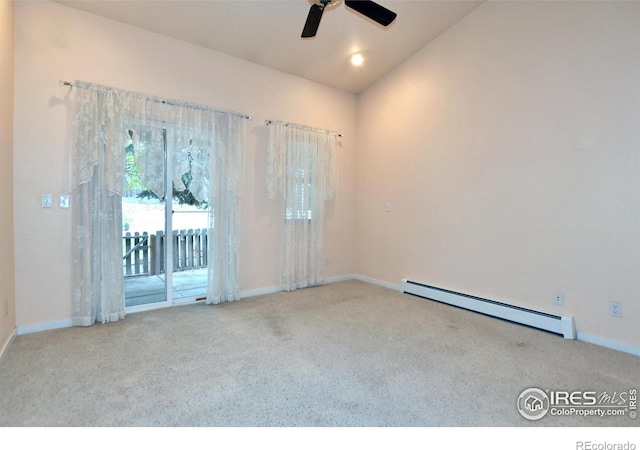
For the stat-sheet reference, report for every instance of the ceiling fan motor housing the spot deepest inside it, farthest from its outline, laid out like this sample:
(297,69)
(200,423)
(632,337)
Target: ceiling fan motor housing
(367,8)
(325,3)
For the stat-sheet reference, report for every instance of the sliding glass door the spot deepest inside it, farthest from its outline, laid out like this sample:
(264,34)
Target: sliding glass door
(189,238)
(164,231)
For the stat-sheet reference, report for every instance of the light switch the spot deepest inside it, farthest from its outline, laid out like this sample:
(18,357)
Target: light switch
(387,207)
(47,201)
(64,201)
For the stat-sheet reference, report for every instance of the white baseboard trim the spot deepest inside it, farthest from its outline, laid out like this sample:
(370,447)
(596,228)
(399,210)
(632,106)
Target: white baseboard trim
(338,279)
(28,329)
(385,284)
(274,289)
(6,345)
(608,343)
(261,291)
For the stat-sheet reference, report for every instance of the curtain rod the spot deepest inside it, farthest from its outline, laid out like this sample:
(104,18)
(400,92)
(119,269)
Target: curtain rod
(302,127)
(155,99)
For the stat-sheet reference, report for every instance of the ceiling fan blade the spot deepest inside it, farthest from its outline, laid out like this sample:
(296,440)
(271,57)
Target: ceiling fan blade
(373,11)
(313,21)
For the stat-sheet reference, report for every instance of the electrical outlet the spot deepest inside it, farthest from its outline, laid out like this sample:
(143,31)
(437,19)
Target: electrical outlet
(615,309)
(558,298)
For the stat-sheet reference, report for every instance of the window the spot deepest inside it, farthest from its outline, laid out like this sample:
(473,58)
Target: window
(302,171)
(299,203)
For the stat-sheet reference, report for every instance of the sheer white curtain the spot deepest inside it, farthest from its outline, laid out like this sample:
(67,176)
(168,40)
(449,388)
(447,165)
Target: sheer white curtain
(189,134)
(97,158)
(302,171)
(225,192)
(208,141)
(211,145)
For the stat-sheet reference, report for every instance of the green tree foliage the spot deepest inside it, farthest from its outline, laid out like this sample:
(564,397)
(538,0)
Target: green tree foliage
(132,180)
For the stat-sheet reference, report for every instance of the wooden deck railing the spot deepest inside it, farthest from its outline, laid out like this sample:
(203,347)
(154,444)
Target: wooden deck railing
(144,253)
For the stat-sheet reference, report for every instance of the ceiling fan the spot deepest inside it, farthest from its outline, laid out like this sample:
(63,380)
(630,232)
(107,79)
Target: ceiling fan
(367,8)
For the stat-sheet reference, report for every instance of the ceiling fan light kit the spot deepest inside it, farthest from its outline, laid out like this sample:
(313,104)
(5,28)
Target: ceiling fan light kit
(367,8)
(357,59)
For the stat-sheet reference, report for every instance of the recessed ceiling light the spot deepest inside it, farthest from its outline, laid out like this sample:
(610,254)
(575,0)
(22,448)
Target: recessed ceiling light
(357,59)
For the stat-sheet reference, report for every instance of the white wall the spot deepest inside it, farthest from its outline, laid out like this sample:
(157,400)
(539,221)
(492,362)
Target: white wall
(55,43)
(7,306)
(509,149)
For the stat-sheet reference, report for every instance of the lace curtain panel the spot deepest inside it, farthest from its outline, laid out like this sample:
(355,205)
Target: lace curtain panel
(209,142)
(302,171)
(97,158)
(226,179)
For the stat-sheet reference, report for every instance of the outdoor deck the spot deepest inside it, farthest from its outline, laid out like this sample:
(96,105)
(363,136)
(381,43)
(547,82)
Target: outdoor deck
(151,289)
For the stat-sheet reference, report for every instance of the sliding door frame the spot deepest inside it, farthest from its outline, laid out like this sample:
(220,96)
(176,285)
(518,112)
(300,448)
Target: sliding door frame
(169,301)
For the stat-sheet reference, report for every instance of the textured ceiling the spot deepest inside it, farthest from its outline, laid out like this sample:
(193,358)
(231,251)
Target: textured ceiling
(267,32)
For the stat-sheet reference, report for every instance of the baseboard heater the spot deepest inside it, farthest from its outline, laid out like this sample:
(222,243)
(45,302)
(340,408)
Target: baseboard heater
(561,325)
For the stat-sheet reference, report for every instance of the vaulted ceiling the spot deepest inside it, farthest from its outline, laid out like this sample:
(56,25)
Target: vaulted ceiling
(267,32)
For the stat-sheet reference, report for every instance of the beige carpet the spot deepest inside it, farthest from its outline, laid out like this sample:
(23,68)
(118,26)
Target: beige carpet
(344,354)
